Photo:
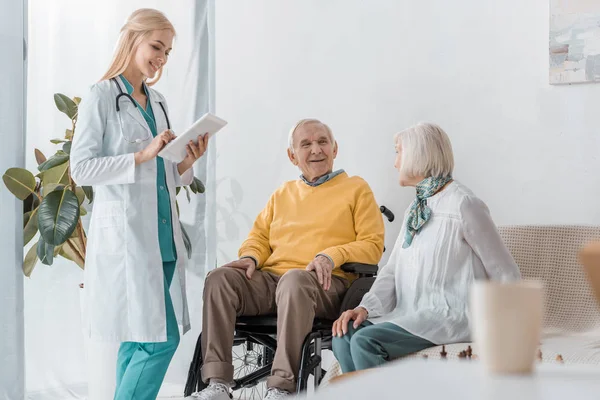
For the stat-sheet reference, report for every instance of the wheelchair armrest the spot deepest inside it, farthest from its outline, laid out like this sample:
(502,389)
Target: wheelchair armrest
(360,268)
(355,293)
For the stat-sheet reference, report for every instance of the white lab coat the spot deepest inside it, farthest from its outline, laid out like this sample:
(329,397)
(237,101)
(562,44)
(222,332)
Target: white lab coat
(124,283)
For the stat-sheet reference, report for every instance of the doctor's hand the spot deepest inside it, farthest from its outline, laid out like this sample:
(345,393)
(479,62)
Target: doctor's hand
(340,326)
(155,146)
(194,152)
(243,263)
(322,267)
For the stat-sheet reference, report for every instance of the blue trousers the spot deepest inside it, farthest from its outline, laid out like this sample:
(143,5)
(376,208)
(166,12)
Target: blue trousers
(141,367)
(371,345)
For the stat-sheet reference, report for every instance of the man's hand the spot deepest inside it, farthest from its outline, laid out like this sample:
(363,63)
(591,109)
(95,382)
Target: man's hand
(244,263)
(323,267)
(340,326)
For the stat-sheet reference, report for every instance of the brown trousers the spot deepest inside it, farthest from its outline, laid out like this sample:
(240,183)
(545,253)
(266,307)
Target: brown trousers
(296,297)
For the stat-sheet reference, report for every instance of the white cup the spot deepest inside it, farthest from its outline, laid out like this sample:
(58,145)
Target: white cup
(506,319)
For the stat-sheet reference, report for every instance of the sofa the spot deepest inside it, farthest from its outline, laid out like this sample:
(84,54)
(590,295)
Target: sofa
(571,330)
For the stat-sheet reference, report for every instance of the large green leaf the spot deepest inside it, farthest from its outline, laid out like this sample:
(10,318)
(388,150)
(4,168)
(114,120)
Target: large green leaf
(67,147)
(26,217)
(62,252)
(31,203)
(89,193)
(51,187)
(75,234)
(58,216)
(80,194)
(20,182)
(45,252)
(39,156)
(57,159)
(58,174)
(186,241)
(30,260)
(30,226)
(197,186)
(68,251)
(65,105)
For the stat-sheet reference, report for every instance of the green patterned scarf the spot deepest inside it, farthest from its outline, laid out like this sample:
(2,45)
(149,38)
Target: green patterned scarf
(419,211)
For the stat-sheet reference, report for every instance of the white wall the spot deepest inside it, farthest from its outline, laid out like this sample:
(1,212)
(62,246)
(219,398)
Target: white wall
(479,68)
(12,131)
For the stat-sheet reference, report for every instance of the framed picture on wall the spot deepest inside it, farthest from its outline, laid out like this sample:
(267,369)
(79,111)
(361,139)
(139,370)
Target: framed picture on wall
(574,41)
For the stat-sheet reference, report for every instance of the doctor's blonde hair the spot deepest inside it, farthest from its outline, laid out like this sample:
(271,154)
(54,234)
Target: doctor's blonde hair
(140,24)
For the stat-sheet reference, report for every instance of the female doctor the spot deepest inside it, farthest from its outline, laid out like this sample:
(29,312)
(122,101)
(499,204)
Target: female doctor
(135,248)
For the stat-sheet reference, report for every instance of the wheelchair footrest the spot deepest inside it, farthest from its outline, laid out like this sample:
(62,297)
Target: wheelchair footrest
(253,378)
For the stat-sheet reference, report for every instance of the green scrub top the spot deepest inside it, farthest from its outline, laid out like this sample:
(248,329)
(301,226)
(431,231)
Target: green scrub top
(165,223)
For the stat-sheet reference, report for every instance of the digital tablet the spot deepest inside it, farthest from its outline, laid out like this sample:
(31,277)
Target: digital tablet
(175,150)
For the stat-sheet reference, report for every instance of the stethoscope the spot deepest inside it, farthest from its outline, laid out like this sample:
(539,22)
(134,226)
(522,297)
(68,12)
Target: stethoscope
(128,96)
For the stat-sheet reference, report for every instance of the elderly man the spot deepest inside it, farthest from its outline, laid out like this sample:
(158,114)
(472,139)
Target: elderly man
(290,262)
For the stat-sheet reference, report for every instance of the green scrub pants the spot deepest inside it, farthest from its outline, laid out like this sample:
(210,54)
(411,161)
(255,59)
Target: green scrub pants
(141,367)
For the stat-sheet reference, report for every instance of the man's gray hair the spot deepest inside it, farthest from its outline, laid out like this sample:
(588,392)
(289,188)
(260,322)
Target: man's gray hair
(426,151)
(308,121)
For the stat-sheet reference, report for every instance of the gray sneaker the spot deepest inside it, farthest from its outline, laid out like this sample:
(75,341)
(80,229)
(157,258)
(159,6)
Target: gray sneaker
(214,391)
(277,394)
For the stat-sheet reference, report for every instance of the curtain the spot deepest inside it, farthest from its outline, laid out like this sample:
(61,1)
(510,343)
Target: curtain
(71,44)
(12,115)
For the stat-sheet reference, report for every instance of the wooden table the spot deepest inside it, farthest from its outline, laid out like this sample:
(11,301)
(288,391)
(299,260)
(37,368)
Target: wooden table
(465,380)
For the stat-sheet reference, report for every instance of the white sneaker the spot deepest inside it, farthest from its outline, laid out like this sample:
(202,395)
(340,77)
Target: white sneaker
(277,394)
(214,391)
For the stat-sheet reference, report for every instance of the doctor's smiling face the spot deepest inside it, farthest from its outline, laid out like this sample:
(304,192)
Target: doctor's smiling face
(153,52)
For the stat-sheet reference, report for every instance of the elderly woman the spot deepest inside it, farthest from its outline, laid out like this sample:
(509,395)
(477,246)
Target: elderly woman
(448,239)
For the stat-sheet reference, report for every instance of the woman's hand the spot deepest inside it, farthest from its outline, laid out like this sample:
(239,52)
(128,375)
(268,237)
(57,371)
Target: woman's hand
(194,152)
(340,326)
(155,146)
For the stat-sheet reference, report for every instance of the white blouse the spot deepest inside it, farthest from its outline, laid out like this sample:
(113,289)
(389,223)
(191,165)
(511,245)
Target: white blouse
(424,288)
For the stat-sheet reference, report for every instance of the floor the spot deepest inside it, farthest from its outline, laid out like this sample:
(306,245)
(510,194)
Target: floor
(255,393)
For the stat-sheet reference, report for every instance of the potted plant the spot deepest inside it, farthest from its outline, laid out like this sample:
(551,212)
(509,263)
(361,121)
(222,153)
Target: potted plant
(53,203)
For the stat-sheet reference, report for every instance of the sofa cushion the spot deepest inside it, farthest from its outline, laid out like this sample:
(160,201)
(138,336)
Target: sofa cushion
(550,253)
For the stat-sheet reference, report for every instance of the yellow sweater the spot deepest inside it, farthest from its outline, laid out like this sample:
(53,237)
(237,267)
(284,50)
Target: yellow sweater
(339,218)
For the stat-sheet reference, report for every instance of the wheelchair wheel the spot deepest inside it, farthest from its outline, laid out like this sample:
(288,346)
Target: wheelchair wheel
(247,358)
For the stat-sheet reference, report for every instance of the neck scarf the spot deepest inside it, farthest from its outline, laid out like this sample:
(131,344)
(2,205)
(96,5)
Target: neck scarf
(419,212)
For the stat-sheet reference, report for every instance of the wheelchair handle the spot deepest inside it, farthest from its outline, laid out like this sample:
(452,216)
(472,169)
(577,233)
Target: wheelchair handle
(387,212)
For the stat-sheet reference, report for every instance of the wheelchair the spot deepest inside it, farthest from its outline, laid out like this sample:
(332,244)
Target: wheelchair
(255,343)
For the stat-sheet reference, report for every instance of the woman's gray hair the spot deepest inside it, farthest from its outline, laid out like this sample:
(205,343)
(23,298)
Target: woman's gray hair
(308,121)
(426,151)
